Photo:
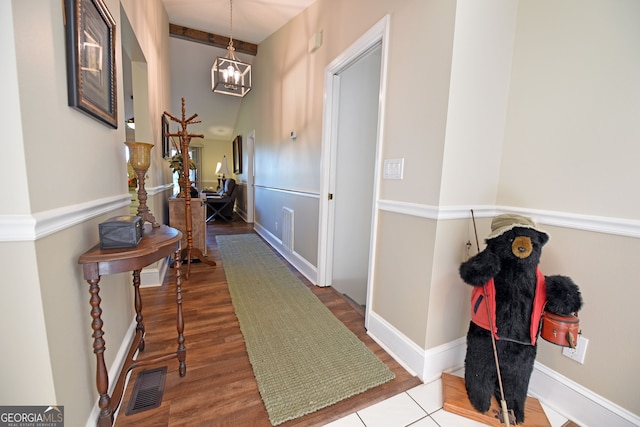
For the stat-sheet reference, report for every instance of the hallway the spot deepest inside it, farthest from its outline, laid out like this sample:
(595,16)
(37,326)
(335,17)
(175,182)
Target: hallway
(219,388)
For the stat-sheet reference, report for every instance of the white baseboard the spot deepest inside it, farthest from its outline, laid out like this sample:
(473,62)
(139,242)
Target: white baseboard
(429,364)
(556,391)
(401,348)
(448,357)
(114,371)
(576,402)
(302,265)
(153,275)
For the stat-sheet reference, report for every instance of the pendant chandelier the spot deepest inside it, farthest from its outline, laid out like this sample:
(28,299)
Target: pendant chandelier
(229,75)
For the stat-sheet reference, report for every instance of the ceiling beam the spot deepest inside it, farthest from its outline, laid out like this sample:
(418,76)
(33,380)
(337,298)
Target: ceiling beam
(198,36)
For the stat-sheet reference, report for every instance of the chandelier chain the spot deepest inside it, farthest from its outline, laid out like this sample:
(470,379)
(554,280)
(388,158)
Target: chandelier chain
(231,23)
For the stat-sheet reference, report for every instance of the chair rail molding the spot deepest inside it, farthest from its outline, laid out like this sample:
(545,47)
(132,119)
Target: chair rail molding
(30,227)
(301,193)
(34,226)
(600,224)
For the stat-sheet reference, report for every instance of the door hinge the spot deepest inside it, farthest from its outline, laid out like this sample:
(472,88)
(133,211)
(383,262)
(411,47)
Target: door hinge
(330,196)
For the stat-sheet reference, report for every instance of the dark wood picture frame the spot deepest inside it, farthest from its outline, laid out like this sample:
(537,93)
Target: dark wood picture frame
(91,70)
(237,154)
(166,139)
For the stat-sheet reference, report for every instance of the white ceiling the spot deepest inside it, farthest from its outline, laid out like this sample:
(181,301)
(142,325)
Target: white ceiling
(253,20)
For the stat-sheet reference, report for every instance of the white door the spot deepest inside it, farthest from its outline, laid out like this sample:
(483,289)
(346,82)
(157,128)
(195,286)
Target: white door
(355,145)
(353,120)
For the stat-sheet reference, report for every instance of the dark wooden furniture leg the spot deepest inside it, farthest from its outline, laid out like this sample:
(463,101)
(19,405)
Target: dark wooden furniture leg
(102,379)
(138,306)
(182,349)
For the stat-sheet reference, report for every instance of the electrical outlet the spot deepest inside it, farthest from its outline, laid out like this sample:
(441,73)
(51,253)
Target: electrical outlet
(579,352)
(467,251)
(276,225)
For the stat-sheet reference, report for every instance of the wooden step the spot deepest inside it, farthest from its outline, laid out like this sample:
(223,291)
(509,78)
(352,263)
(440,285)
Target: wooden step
(456,401)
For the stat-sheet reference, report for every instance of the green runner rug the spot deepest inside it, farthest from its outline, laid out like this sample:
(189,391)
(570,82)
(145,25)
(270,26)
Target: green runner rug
(303,357)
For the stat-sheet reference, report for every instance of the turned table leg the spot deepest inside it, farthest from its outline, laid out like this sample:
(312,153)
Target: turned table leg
(102,378)
(182,349)
(138,306)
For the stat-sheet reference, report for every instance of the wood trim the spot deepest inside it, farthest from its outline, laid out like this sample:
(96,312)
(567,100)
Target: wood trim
(216,40)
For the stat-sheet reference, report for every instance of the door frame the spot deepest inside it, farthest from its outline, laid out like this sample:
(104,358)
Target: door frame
(378,34)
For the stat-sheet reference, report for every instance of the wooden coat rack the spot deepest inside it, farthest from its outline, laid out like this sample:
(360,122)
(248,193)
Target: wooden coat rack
(189,252)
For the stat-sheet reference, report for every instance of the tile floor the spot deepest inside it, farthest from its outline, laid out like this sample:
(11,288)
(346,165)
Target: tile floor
(419,407)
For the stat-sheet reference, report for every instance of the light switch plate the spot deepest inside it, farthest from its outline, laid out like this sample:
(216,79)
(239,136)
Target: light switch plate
(393,169)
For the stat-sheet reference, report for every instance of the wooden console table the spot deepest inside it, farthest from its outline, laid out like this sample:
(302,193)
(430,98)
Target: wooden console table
(156,243)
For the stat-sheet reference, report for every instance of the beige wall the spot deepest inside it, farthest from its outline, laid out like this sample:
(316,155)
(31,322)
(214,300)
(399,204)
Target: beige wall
(212,153)
(523,106)
(403,289)
(572,108)
(68,174)
(571,145)
(420,40)
(603,265)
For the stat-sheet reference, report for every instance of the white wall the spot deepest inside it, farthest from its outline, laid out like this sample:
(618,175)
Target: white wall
(480,77)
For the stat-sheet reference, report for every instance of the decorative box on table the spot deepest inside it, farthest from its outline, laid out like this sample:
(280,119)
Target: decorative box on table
(123,231)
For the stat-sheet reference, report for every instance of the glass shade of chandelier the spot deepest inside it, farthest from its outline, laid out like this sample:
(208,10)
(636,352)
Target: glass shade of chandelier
(229,75)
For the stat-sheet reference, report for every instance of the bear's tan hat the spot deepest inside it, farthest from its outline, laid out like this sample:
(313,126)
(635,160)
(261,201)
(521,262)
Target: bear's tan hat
(503,223)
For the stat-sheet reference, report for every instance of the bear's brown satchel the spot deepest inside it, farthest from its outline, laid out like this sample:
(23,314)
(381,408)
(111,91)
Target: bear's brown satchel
(560,330)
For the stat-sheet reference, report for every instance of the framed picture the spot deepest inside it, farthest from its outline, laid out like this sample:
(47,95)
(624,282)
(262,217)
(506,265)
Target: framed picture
(237,155)
(91,73)
(166,139)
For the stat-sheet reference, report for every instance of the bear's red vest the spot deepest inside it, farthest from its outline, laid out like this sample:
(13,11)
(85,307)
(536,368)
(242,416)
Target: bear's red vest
(480,317)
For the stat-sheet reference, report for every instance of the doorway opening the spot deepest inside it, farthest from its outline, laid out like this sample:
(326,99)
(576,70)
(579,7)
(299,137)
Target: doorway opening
(352,135)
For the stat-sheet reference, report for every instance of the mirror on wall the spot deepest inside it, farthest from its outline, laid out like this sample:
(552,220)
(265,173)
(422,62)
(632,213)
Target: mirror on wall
(135,99)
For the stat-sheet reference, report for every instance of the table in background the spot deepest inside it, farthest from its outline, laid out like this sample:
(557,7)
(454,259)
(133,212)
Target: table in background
(215,204)
(177,220)
(156,243)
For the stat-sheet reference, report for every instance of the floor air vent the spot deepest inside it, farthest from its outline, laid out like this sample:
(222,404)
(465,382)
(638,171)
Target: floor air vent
(147,391)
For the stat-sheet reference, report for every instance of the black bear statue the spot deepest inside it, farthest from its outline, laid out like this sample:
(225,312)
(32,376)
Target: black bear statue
(509,295)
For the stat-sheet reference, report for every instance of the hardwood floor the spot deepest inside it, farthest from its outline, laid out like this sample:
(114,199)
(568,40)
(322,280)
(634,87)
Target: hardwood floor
(219,388)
